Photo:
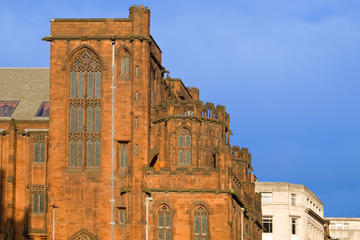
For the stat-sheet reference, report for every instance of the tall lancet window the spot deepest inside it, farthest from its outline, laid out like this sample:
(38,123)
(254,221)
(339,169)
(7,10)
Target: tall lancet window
(200,216)
(164,223)
(124,64)
(85,109)
(184,147)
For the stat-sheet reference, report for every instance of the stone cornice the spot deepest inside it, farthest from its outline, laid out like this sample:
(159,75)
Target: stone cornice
(199,119)
(315,216)
(84,38)
(185,190)
(91,20)
(192,191)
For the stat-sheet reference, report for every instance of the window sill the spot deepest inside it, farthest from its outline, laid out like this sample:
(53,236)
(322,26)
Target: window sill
(92,169)
(39,163)
(38,214)
(73,169)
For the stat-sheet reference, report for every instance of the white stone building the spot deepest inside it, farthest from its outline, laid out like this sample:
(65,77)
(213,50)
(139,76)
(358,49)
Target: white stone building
(290,211)
(343,228)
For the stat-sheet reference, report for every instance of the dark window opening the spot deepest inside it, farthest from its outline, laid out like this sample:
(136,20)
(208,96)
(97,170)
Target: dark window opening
(7,108)
(293,226)
(213,160)
(267,224)
(154,160)
(43,110)
(122,215)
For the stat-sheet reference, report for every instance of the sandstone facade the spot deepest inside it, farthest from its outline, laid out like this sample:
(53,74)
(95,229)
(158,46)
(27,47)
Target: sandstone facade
(167,145)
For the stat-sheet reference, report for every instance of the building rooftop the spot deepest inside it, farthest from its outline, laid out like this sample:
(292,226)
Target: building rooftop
(343,218)
(284,186)
(24,93)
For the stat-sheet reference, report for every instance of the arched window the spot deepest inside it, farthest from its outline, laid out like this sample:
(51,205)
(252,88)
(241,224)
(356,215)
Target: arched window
(83,235)
(124,64)
(200,216)
(184,148)
(85,109)
(164,223)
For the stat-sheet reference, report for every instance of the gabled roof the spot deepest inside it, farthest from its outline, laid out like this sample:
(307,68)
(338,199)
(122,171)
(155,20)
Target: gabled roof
(29,86)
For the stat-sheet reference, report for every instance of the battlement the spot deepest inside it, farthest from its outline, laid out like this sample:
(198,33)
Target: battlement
(194,92)
(195,109)
(241,153)
(138,9)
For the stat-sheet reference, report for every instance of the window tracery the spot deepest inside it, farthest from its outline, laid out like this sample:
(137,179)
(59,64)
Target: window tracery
(124,62)
(38,202)
(184,147)
(85,109)
(39,149)
(83,235)
(38,199)
(164,223)
(123,155)
(200,216)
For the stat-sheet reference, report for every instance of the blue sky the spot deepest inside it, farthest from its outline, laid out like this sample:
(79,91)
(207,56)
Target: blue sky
(287,72)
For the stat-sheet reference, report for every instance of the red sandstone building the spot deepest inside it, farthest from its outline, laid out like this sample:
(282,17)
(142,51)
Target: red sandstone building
(119,131)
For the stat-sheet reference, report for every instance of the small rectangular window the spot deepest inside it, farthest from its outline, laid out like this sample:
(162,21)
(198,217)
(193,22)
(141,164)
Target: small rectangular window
(41,202)
(89,119)
(79,152)
(122,65)
(181,157)
(35,202)
(197,223)
(136,149)
(97,119)
(42,152)
(80,119)
(188,140)
(137,71)
(204,224)
(127,65)
(73,84)
(98,85)
(123,154)
(36,152)
(188,157)
(293,199)
(122,215)
(90,153)
(38,202)
(266,197)
(247,229)
(90,87)
(161,220)
(181,140)
(293,226)
(72,119)
(267,224)
(72,154)
(136,123)
(81,85)
(137,96)
(97,153)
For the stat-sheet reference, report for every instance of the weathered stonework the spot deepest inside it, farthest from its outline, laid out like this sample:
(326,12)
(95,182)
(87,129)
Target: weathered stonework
(168,145)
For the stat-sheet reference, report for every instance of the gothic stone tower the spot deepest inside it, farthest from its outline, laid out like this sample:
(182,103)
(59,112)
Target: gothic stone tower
(167,143)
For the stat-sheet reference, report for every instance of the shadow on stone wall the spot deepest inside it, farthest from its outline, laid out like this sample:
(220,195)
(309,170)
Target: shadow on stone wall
(9,229)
